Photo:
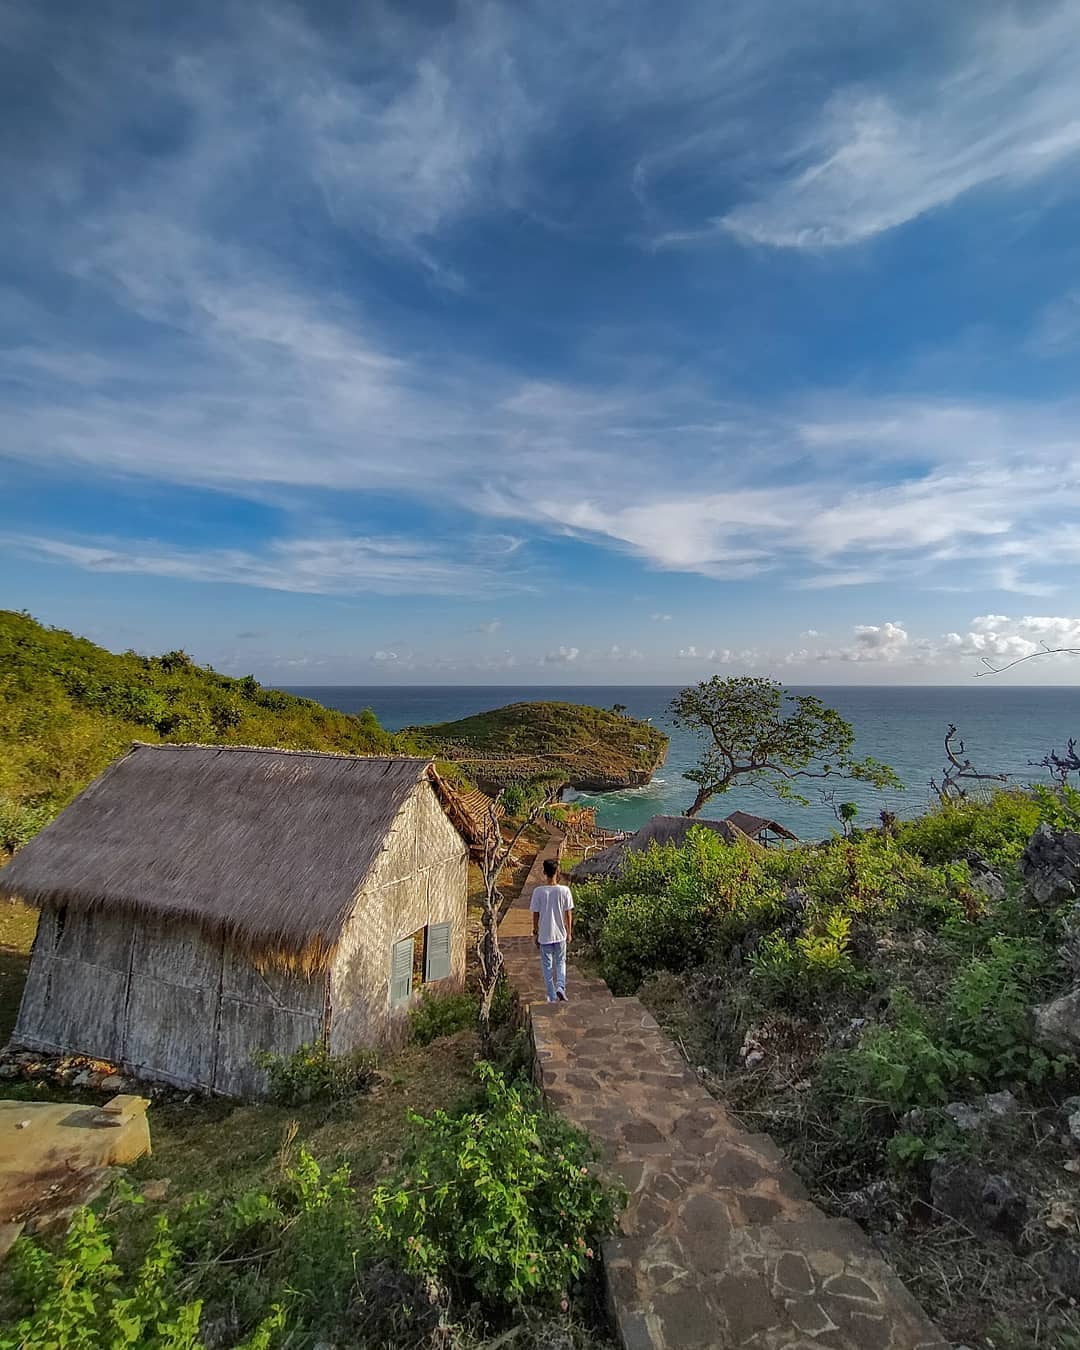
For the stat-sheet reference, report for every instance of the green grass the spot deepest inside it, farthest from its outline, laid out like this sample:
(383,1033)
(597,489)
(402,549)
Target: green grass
(561,741)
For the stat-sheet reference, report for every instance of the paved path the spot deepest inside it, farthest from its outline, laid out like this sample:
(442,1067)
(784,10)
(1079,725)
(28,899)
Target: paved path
(721,1247)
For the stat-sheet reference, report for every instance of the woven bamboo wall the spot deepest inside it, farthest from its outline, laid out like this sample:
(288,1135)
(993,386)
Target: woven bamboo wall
(164,1000)
(421,878)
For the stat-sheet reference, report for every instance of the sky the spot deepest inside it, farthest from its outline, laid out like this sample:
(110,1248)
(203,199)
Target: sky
(545,342)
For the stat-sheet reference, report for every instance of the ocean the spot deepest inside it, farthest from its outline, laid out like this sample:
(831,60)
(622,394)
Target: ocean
(1003,727)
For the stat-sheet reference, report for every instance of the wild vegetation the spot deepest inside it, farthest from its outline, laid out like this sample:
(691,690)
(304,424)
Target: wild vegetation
(68,708)
(869,1003)
(434,1203)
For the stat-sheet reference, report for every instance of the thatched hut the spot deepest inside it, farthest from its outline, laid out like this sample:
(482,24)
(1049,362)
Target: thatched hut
(202,903)
(761,828)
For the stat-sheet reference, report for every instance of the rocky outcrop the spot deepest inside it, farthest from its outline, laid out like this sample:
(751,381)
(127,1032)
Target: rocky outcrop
(1057,1024)
(1050,865)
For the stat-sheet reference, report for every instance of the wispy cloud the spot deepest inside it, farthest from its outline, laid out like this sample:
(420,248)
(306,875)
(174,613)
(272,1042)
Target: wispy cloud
(388,566)
(1007,110)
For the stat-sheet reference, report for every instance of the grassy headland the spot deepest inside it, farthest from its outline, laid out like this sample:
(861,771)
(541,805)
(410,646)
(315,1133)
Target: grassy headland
(592,749)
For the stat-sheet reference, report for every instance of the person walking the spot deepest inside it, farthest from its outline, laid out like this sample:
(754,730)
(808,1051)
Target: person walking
(553,925)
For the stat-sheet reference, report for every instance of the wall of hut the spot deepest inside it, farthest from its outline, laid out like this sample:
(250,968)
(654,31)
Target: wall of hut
(421,879)
(163,1000)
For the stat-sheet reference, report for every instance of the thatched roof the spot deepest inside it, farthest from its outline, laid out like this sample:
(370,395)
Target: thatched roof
(268,847)
(471,812)
(755,825)
(660,830)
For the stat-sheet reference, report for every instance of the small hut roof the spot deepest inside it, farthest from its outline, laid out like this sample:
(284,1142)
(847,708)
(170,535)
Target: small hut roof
(753,825)
(660,830)
(268,847)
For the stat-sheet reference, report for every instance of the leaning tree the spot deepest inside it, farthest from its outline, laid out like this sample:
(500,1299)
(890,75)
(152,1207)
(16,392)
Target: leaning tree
(759,734)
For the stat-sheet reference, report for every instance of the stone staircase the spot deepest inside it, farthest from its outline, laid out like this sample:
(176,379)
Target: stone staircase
(720,1244)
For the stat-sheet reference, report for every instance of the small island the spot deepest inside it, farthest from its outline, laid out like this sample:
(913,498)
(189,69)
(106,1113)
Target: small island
(568,744)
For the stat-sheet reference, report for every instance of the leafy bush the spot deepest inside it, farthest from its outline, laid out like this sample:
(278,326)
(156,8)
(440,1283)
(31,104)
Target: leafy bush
(671,905)
(438,1015)
(816,963)
(1059,807)
(898,1066)
(997,828)
(81,1297)
(501,1201)
(986,1012)
(311,1074)
(19,823)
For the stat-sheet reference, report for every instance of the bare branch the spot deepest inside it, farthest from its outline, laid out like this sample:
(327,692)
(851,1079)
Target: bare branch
(959,771)
(1060,766)
(991,669)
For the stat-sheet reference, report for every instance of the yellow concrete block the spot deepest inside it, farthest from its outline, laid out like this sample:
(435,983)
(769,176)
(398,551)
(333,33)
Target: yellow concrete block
(50,1151)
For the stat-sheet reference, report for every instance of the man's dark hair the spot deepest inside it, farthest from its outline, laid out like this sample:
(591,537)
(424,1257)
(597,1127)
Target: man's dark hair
(551,868)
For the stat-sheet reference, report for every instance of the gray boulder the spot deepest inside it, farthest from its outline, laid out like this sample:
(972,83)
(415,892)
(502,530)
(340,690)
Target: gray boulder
(1050,865)
(977,1199)
(972,1115)
(1057,1024)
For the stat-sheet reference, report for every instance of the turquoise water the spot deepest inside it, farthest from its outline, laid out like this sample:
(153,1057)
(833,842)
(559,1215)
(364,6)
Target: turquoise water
(1003,727)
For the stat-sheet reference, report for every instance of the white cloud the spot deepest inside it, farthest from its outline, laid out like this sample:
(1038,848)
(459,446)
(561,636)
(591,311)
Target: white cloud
(385,656)
(992,636)
(389,566)
(810,633)
(1007,112)
(562,656)
(660,618)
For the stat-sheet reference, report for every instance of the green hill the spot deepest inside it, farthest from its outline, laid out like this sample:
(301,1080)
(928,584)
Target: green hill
(589,748)
(68,707)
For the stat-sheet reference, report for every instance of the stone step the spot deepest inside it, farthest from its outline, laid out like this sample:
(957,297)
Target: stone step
(720,1245)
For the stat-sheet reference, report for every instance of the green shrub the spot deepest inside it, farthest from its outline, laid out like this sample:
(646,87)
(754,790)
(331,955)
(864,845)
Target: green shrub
(19,823)
(312,1074)
(1059,807)
(438,1015)
(503,1202)
(671,906)
(816,963)
(987,1011)
(80,1298)
(898,1066)
(997,829)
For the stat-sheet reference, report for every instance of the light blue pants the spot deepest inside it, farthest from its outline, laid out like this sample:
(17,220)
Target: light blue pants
(553,964)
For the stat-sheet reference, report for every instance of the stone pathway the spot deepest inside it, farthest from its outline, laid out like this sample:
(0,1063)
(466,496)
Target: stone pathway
(720,1246)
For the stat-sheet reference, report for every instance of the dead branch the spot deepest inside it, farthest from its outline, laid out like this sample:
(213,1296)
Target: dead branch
(991,669)
(959,771)
(1060,766)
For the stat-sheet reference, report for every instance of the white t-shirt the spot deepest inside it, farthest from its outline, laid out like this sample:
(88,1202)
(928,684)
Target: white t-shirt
(551,903)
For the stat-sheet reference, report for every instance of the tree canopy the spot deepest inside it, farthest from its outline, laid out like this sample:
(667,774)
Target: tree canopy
(762,735)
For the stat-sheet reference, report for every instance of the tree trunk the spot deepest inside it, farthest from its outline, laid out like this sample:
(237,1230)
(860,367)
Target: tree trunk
(702,797)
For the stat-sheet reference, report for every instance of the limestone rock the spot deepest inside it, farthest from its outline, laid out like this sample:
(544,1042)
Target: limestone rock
(986,878)
(1057,1024)
(976,1198)
(1050,865)
(973,1115)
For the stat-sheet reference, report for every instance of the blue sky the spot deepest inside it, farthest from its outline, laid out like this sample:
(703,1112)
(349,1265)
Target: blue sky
(496,343)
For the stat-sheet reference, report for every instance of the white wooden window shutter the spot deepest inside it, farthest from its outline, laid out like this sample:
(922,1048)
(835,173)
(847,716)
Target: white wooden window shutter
(437,955)
(401,972)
